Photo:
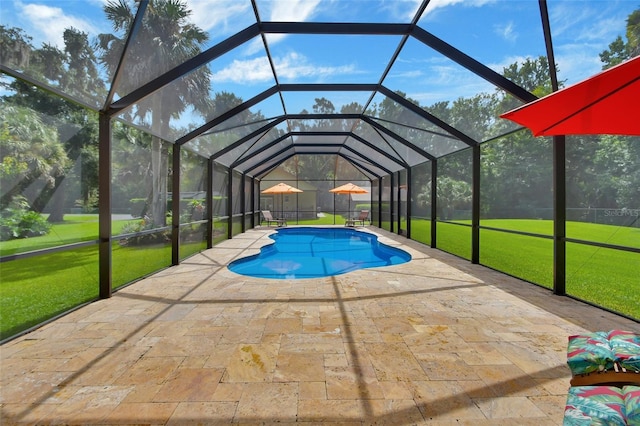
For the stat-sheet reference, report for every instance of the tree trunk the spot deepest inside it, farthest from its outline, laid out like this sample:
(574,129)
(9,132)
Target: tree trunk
(56,201)
(159,170)
(17,188)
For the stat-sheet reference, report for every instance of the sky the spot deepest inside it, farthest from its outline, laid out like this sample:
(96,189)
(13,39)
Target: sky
(496,33)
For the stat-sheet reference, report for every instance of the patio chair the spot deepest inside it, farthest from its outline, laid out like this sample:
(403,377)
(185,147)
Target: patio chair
(364,215)
(267,217)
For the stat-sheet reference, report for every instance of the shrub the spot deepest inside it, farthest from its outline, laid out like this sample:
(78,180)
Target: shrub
(144,224)
(194,210)
(19,221)
(362,206)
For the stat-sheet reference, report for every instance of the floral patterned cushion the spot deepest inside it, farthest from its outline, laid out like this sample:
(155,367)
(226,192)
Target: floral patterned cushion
(598,351)
(626,347)
(595,405)
(632,404)
(602,405)
(591,352)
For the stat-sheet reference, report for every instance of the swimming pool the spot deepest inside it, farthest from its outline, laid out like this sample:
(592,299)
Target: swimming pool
(318,252)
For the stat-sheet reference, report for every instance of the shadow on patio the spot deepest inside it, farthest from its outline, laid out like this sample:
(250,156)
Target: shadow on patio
(436,340)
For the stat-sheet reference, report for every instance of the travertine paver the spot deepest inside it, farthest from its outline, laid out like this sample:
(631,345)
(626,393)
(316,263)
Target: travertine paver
(435,341)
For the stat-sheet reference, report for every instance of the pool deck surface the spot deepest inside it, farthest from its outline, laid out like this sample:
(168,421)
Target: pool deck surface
(435,341)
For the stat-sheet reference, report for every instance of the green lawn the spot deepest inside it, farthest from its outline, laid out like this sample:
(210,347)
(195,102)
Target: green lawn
(35,289)
(74,229)
(326,219)
(605,277)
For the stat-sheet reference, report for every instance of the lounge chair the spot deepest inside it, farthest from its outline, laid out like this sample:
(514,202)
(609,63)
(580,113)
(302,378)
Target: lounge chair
(267,217)
(364,215)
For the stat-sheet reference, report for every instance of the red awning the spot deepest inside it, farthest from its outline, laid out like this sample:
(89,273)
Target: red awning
(607,103)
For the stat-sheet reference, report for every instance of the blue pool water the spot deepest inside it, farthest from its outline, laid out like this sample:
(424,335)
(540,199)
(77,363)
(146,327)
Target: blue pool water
(318,252)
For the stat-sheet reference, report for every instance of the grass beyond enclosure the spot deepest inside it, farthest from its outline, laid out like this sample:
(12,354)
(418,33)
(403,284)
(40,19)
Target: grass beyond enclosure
(75,228)
(33,291)
(605,277)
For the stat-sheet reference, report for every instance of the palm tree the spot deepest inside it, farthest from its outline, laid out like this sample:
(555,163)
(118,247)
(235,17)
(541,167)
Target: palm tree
(29,151)
(75,72)
(165,40)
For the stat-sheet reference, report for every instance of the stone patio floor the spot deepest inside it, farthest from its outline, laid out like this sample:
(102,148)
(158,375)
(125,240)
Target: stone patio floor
(435,341)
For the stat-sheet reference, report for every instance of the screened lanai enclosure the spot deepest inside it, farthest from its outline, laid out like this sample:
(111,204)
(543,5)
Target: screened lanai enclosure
(135,134)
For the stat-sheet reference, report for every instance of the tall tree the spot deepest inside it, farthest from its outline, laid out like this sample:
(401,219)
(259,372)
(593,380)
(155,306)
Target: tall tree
(167,38)
(633,33)
(516,171)
(611,176)
(619,50)
(74,71)
(29,151)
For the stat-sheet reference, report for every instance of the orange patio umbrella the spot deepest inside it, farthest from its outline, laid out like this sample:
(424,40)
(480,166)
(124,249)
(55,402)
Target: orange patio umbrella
(281,188)
(349,188)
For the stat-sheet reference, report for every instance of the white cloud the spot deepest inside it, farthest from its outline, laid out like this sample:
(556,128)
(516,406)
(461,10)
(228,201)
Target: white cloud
(48,23)
(564,16)
(441,4)
(587,24)
(449,84)
(581,33)
(401,10)
(575,63)
(447,75)
(293,66)
(408,74)
(422,61)
(506,31)
(437,80)
(508,61)
(601,30)
(210,14)
(282,11)
(451,92)
(243,72)
(292,10)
